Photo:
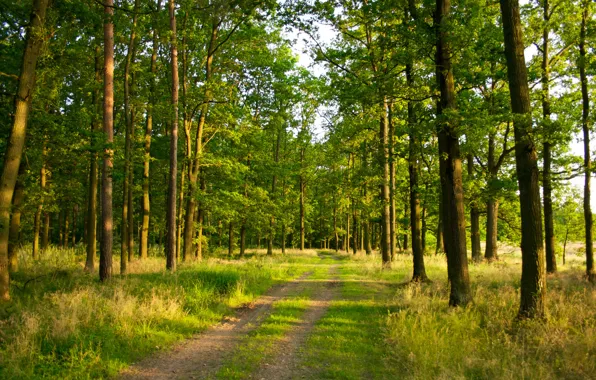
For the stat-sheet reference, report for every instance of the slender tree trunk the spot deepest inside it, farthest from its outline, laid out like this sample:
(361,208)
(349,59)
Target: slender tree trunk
(415,222)
(588,221)
(194,165)
(385,187)
(92,190)
(335,226)
(533,281)
(231,239)
(242,238)
(492,205)
(474,218)
(14,240)
(107,237)
(392,212)
(273,187)
(16,141)
(450,166)
(45,237)
(173,175)
(42,182)
(440,246)
(200,220)
(549,231)
(144,244)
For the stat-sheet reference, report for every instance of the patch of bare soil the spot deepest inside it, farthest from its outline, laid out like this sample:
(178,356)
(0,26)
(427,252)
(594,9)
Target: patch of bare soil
(201,356)
(287,363)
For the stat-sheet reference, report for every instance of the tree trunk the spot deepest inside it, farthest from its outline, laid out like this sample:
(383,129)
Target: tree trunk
(392,212)
(273,187)
(107,237)
(450,167)
(16,141)
(92,190)
(415,222)
(242,239)
(385,187)
(547,188)
(474,218)
(588,222)
(14,240)
(173,175)
(533,281)
(194,165)
(144,244)
(231,239)
(45,238)
(37,223)
(440,246)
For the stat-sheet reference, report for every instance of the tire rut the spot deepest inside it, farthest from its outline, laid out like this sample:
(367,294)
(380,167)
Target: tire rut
(202,355)
(287,363)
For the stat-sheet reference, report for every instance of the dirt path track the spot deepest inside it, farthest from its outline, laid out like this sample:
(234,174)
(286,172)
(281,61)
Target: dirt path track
(202,356)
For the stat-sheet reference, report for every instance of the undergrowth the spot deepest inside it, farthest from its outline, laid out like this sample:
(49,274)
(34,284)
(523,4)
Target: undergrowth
(63,323)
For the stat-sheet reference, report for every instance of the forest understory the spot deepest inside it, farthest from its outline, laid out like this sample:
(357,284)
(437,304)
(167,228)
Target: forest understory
(312,314)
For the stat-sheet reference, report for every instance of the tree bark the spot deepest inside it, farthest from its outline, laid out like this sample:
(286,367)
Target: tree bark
(14,240)
(533,281)
(474,218)
(144,244)
(173,174)
(42,183)
(16,141)
(547,188)
(385,187)
(450,167)
(588,221)
(107,237)
(92,190)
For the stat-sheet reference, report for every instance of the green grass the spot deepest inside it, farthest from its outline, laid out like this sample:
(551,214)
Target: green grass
(63,323)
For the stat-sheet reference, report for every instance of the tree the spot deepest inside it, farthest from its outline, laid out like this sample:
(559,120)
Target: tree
(173,174)
(107,218)
(533,281)
(16,143)
(450,164)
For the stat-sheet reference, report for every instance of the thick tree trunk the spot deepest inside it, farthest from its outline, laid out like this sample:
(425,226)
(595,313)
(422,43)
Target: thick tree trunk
(492,214)
(440,246)
(107,220)
(533,281)
(173,174)
(16,141)
(450,167)
(588,221)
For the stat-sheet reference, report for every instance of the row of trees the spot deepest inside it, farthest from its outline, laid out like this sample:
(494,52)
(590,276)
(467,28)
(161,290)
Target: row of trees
(430,110)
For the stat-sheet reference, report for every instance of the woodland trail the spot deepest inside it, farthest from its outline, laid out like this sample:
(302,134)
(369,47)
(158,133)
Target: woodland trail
(287,363)
(203,355)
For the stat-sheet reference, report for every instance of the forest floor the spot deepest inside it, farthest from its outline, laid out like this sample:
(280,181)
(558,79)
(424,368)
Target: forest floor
(311,315)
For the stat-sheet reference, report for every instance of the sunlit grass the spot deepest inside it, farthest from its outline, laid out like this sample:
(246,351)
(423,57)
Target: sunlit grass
(62,322)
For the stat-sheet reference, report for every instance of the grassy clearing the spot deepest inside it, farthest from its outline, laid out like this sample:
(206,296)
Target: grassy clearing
(62,323)
(423,338)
